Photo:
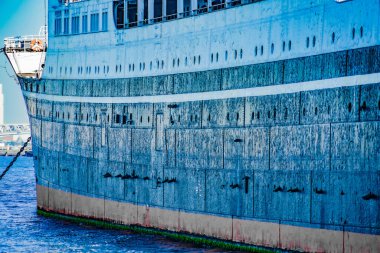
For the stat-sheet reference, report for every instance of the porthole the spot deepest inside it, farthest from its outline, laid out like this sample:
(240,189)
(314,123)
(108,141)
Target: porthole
(199,59)
(212,58)
(272,48)
(209,116)
(191,118)
(274,113)
(253,116)
(179,118)
(133,67)
(178,62)
(364,106)
(117,118)
(158,64)
(150,65)
(148,119)
(304,112)
(314,41)
(361,32)
(353,33)
(226,55)
(235,54)
(349,107)
(286,113)
(162,64)
(283,46)
(173,63)
(241,53)
(258,115)
(256,51)
(194,60)
(140,119)
(316,110)
(185,61)
(262,50)
(143,65)
(333,38)
(307,42)
(237,116)
(129,68)
(228,117)
(290,45)
(217,57)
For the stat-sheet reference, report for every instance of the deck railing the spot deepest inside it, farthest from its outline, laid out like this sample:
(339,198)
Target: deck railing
(23,43)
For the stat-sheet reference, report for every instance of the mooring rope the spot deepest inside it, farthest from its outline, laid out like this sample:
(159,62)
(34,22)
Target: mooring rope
(15,158)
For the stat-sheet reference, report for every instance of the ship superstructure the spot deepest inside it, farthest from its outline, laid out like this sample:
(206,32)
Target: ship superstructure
(249,121)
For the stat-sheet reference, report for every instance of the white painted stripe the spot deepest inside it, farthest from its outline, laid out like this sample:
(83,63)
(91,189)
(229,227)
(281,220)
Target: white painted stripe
(224,94)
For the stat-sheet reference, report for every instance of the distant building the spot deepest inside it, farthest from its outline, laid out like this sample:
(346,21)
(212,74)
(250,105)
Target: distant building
(1,105)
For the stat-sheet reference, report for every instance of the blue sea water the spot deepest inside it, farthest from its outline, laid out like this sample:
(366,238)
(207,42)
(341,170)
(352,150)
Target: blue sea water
(22,230)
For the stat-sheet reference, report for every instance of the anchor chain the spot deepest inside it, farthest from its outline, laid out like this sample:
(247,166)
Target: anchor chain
(15,158)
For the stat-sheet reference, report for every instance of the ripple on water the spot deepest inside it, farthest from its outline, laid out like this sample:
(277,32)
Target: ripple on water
(22,230)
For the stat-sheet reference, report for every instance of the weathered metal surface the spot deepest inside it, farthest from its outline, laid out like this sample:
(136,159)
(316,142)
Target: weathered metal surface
(297,170)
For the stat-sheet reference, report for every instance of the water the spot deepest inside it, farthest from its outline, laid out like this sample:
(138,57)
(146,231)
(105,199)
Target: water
(22,230)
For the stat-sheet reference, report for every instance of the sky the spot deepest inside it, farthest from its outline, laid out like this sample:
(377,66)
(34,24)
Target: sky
(17,17)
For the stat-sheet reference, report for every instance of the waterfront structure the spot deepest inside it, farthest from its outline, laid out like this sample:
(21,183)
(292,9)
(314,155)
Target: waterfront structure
(249,121)
(1,105)
(12,138)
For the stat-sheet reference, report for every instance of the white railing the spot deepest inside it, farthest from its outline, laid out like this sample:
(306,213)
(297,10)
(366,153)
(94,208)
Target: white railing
(23,43)
(66,2)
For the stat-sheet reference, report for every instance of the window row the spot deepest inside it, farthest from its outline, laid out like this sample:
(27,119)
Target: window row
(214,58)
(75,23)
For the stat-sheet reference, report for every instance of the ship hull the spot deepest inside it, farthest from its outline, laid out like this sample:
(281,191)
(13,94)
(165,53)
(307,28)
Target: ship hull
(286,162)
(273,234)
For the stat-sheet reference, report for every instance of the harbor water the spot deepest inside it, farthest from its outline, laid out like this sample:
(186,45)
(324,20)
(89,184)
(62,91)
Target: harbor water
(22,230)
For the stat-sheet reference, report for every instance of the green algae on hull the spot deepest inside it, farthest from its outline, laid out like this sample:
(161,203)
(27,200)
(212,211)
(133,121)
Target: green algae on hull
(196,240)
